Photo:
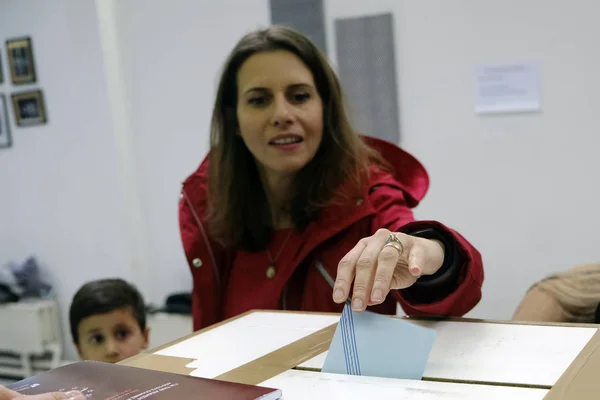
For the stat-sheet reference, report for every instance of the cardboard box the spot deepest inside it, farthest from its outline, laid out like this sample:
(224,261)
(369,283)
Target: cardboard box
(579,381)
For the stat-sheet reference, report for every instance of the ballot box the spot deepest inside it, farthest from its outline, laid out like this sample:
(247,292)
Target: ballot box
(470,358)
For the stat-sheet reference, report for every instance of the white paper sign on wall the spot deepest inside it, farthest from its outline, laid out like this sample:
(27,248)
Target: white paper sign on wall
(507,88)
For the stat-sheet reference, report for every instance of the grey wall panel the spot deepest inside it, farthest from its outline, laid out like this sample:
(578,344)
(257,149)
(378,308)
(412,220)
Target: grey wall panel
(367,68)
(304,15)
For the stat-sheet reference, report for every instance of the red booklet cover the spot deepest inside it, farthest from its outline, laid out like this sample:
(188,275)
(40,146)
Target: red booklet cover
(103,381)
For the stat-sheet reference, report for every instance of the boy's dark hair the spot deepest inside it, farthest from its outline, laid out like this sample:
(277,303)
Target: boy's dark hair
(104,296)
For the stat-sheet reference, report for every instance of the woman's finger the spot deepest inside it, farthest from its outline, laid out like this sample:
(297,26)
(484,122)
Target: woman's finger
(416,260)
(345,271)
(386,265)
(365,270)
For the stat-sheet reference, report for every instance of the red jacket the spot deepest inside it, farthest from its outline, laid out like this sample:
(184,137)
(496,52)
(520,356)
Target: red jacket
(386,203)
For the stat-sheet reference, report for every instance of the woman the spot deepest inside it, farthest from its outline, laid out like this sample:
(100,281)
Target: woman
(292,209)
(571,296)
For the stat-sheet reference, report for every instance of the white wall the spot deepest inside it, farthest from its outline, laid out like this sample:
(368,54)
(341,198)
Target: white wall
(522,188)
(60,196)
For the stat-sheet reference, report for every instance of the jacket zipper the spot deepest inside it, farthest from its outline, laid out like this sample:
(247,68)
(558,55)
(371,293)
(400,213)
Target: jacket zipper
(330,280)
(325,274)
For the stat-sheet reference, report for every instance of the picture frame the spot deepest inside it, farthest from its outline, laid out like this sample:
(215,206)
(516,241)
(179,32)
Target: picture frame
(5,135)
(1,70)
(21,63)
(29,108)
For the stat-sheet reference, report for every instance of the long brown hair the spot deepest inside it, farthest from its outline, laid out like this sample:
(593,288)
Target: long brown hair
(238,211)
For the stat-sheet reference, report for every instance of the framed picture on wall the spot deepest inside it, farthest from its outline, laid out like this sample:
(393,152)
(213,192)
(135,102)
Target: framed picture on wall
(29,108)
(1,70)
(5,136)
(20,60)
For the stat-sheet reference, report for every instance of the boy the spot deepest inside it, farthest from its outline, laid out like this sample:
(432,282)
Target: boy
(108,321)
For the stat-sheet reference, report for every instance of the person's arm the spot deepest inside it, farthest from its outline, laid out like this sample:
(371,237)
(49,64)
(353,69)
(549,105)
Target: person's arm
(7,394)
(456,288)
(539,306)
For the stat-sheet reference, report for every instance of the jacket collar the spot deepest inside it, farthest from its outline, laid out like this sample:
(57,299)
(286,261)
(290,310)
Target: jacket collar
(410,175)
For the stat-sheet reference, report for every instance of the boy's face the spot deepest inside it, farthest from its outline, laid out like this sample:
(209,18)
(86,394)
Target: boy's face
(111,337)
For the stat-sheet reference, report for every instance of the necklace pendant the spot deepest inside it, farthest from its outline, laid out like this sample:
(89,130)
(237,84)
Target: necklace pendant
(271,271)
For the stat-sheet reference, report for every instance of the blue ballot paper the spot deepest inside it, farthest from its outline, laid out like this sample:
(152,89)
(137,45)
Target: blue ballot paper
(366,343)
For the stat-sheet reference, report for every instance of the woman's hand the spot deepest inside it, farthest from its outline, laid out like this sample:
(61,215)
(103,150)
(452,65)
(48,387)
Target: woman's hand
(382,262)
(7,394)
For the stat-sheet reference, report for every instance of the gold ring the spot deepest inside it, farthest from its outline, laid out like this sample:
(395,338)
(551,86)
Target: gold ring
(393,241)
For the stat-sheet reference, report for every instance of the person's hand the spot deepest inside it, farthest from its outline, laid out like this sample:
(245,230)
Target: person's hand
(381,262)
(7,394)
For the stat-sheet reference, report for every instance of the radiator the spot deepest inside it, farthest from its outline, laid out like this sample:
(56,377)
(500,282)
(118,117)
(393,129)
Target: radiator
(29,329)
